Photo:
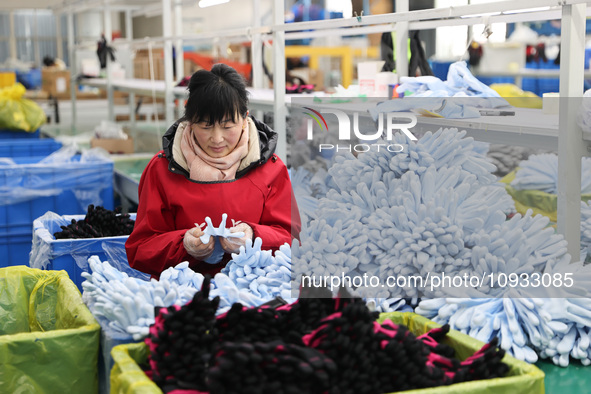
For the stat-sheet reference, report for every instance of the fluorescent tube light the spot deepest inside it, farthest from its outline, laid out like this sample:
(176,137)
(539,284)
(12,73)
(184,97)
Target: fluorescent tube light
(480,15)
(209,3)
(527,10)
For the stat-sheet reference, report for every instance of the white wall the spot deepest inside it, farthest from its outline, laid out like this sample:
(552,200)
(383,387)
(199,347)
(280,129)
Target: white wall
(147,26)
(454,49)
(90,24)
(234,14)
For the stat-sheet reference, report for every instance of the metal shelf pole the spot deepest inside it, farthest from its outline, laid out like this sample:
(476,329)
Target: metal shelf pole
(279,107)
(570,136)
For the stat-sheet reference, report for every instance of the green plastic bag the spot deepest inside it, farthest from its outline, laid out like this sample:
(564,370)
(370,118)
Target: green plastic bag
(49,340)
(541,203)
(18,113)
(128,378)
(126,375)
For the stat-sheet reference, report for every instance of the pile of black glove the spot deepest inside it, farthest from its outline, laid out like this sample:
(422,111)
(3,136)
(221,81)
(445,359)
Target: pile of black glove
(315,345)
(98,222)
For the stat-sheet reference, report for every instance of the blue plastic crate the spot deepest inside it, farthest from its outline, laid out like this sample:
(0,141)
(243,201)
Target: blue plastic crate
(440,68)
(490,80)
(14,249)
(531,84)
(25,147)
(28,190)
(549,85)
(109,339)
(72,254)
(6,134)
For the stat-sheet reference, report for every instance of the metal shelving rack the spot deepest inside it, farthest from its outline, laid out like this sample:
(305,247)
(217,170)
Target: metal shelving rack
(572,145)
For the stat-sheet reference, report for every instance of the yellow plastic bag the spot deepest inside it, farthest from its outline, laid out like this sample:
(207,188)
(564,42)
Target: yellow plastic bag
(49,340)
(517,97)
(18,113)
(126,375)
(541,203)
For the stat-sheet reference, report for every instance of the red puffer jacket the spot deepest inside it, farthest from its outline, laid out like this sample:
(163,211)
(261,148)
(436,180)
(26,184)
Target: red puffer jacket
(170,204)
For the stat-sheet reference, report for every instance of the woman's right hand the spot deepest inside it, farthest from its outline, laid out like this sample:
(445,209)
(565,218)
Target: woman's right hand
(195,247)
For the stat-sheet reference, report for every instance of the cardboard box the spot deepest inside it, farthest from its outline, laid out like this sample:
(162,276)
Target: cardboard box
(378,7)
(56,82)
(101,94)
(113,145)
(141,64)
(120,98)
(141,68)
(190,67)
(156,52)
(310,76)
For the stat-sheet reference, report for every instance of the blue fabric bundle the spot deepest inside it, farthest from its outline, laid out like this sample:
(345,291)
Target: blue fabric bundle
(585,229)
(435,209)
(260,272)
(306,194)
(554,325)
(125,305)
(414,208)
(540,172)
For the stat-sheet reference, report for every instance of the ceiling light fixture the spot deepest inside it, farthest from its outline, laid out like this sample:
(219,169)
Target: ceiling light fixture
(209,3)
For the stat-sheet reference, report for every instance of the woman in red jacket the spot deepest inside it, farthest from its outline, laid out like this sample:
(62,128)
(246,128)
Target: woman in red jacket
(215,160)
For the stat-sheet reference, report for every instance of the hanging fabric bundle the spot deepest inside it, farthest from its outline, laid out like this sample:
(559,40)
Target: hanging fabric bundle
(418,66)
(102,50)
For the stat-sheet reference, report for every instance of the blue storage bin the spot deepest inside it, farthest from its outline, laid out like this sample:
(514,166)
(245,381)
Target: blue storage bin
(6,134)
(531,84)
(548,85)
(30,79)
(109,339)
(15,248)
(440,68)
(72,254)
(25,147)
(490,80)
(29,189)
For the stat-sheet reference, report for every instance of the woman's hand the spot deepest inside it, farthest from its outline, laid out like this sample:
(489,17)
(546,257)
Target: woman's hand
(195,247)
(232,244)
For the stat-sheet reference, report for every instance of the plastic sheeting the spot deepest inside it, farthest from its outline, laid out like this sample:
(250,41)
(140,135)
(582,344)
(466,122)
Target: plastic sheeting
(49,340)
(46,248)
(86,174)
(428,93)
(126,376)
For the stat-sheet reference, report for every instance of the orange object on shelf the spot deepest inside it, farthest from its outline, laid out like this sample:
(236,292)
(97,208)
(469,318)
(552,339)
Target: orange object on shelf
(207,62)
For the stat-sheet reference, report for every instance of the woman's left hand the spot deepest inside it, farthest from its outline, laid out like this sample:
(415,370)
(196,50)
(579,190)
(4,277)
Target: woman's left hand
(233,244)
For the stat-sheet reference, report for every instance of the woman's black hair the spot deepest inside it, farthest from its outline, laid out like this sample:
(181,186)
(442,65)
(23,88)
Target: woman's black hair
(216,95)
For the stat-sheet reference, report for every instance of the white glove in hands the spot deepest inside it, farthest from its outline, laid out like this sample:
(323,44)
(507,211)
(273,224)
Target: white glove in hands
(194,246)
(233,244)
